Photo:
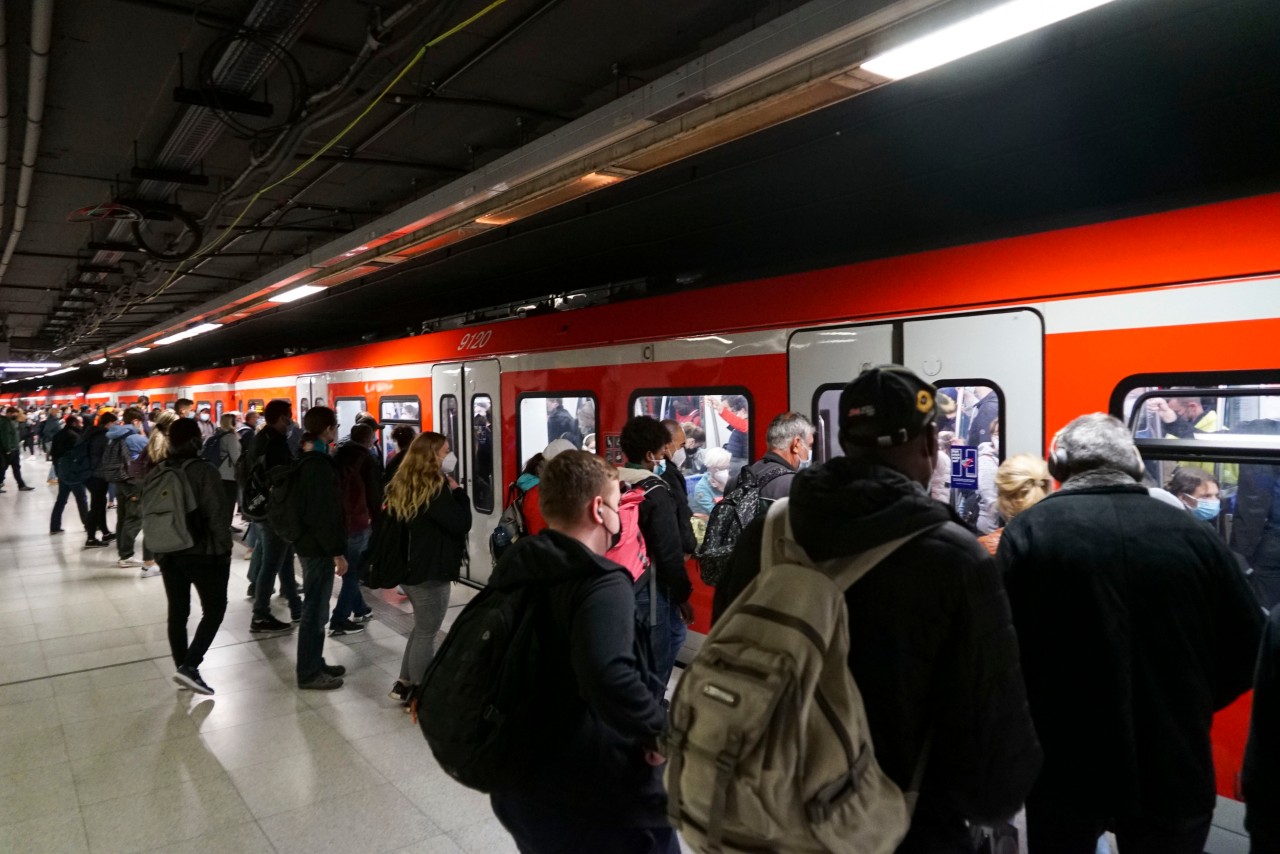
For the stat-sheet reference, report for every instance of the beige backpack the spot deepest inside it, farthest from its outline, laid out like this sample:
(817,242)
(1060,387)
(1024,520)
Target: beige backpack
(768,747)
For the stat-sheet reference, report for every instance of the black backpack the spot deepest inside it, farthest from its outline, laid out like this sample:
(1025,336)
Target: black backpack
(729,518)
(114,467)
(255,486)
(285,499)
(389,553)
(476,704)
(511,524)
(211,451)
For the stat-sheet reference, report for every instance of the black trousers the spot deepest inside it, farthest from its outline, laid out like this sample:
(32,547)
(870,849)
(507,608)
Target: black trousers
(209,574)
(13,461)
(1054,831)
(539,830)
(97,506)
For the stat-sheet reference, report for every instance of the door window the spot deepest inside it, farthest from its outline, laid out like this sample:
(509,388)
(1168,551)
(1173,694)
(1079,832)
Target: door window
(546,417)
(716,423)
(405,409)
(449,419)
(482,484)
(347,408)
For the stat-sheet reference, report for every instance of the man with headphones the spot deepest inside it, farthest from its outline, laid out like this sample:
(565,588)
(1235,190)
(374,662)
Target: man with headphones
(1135,627)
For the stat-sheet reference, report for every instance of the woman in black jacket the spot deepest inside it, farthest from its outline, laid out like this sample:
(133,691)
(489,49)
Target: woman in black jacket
(438,516)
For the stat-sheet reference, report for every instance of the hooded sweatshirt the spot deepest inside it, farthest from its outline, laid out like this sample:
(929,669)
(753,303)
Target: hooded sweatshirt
(134,442)
(931,645)
(600,712)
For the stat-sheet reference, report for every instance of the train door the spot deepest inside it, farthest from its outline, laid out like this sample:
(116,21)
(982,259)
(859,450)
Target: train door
(468,412)
(989,370)
(313,390)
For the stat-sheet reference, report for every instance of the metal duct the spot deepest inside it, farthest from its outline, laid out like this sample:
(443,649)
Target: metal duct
(41,37)
(4,111)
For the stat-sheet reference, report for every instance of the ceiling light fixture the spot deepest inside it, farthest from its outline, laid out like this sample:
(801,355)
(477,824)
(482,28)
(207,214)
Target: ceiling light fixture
(101,361)
(29,366)
(63,371)
(1004,22)
(137,350)
(297,293)
(189,333)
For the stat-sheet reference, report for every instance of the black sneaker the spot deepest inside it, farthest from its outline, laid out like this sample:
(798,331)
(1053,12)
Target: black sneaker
(362,618)
(334,670)
(399,692)
(295,617)
(321,682)
(108,538)
(189,677)
(250,594)
(94,543)
(269,625)
(55,533)
(346,627)
(26,489)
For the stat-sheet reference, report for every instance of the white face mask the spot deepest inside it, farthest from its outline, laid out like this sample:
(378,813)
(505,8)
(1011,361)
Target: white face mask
(678,457)
(449,463)
(720,478)
(204,416)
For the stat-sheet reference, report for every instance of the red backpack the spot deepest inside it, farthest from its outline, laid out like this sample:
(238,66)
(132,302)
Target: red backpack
(630,551)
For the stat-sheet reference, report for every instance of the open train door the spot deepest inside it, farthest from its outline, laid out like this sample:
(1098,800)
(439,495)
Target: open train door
(313,390)
(468,412)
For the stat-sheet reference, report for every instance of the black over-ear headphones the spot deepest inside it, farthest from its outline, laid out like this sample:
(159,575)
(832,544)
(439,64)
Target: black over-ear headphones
(1060,463)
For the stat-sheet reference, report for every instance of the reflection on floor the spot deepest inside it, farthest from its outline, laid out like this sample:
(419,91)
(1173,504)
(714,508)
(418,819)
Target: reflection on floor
(99,750)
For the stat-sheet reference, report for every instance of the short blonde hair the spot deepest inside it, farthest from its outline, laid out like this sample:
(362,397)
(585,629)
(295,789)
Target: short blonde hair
(228,421)
(1021,482)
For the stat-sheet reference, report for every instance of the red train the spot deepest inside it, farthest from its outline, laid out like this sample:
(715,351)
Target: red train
(1054,324)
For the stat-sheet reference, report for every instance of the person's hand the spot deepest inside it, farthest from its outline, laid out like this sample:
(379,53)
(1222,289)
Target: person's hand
(340,565)
(1160,406)
(686,612)
(654,758)
(453,484)
(714,400)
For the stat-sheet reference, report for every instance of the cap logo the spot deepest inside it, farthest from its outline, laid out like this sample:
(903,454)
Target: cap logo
(859,411)
(924,400)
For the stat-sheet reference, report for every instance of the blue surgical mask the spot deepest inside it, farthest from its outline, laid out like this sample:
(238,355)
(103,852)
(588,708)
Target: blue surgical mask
(1207,508)
(660,467)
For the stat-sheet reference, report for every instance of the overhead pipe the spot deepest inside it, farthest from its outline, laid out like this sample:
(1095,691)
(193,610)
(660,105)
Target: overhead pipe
(41,40)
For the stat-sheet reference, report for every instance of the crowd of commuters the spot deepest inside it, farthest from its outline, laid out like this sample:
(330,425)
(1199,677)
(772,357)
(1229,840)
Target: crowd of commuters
(1066,655)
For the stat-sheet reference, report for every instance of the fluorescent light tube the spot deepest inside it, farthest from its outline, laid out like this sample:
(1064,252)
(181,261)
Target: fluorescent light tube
(63,371)
(189,333)
(136,350)
(297,293)
(29,366)
(101,361)
(1004,22)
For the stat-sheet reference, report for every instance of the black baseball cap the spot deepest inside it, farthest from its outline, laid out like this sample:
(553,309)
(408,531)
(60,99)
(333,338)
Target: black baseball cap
(886,406)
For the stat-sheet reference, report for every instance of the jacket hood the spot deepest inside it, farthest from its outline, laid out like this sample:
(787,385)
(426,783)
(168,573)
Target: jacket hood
(548,557)
(633,476)
(843,507)
(116,431)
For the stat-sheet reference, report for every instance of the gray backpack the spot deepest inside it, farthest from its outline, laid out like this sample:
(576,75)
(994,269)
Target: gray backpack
(768,745)
(167,502)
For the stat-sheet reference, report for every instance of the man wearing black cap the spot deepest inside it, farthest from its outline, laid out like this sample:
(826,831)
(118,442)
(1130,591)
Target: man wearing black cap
(931,644)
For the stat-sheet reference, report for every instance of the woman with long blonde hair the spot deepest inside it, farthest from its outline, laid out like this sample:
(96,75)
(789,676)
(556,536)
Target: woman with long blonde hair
(424,497)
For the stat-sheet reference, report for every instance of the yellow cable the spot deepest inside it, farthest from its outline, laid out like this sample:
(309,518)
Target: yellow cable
(417,57)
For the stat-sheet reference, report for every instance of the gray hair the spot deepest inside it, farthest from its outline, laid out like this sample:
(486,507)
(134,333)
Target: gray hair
(785,428)
(1097,441)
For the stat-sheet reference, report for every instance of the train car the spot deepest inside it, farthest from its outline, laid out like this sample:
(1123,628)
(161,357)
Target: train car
(1025,333)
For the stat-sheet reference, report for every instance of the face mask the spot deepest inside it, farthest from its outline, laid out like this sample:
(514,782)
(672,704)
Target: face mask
(615,537)
(720,478)
(449,463)
(204,417)
(660,467)
(1207,508)
(678,457)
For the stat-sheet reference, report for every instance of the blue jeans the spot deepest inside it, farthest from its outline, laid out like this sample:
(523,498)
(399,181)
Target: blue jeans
(350,599)
(82,504)
(666,630)
(276,561)
(317,587)
(677,631)
(539,829)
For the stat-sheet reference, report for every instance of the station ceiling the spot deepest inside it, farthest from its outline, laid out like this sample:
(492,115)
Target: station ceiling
(1135,107)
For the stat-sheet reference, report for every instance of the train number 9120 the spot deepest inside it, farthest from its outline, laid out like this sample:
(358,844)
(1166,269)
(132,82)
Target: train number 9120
(475,340)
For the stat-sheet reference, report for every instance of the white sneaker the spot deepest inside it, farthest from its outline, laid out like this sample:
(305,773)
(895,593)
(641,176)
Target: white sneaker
(128,562)
(150,571)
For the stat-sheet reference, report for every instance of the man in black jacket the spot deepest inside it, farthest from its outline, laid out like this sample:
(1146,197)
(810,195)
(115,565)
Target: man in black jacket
(322,546)
(1260,779)
(596,785)
(64,440)
(644,442)
(672,473)
(206,565)
(931,645)
(96,438)
(271,447)
(790,441)
(1135,627)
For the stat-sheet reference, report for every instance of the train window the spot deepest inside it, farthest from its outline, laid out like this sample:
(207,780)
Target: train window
(1213,442)
(449,419)
(256,405)
(407,409)
(217,410)
(482,453)
(716,421)
(544,417)
(347,408)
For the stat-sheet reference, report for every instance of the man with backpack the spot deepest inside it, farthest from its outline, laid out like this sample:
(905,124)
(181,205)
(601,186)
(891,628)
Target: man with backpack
(11,450)
(270,451)
(587,776)
(95,441)
(125,441)
(644,443)
(188,521)
(360,486)
(790,441)
(69,484)
(931,646)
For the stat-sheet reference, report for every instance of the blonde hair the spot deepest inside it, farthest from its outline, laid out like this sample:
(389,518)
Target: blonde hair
(228,421)
(1021,482)
(419,479)
(158,443)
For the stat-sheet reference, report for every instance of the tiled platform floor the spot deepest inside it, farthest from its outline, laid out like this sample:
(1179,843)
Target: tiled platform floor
(100,751)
